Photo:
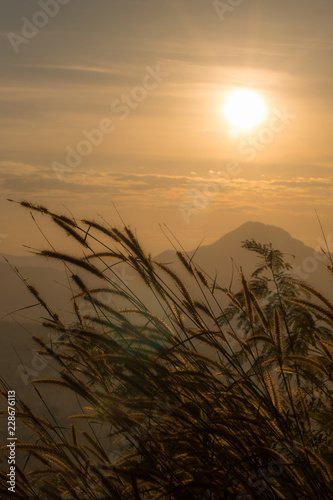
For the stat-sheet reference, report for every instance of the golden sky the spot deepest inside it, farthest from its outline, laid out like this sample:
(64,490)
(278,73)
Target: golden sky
(120,102)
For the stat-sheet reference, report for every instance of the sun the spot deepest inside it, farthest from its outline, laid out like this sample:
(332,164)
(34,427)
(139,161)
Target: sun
(244,109)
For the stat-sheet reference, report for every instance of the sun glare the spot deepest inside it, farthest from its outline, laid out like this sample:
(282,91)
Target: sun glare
(244,109)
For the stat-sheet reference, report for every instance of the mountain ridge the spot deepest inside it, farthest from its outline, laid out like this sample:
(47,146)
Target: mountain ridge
(220,260)
(248,230)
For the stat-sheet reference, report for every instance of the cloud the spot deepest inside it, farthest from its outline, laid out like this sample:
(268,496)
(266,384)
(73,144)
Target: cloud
(152,190)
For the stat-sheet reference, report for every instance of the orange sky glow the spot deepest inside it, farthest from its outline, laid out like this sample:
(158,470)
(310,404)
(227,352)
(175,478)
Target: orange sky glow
(121,103)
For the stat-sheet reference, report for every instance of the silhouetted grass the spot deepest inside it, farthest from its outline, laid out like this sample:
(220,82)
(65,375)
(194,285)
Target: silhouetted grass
(192,401)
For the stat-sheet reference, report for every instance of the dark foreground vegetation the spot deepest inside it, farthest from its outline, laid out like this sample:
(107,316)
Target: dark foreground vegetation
(193,401)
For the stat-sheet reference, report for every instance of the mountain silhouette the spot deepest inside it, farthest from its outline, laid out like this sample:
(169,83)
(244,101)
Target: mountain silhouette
(221,259)
(226,255)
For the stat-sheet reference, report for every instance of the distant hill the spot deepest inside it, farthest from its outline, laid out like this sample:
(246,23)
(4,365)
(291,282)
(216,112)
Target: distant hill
(223,257)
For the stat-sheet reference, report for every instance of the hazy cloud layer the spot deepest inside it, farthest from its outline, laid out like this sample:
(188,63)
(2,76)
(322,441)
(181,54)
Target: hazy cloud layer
(164,189)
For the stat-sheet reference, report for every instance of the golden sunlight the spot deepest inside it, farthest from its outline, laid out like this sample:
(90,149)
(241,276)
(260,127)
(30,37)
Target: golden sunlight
(244,109)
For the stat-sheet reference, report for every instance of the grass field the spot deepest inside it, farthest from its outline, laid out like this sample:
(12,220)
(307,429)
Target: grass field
(197,402)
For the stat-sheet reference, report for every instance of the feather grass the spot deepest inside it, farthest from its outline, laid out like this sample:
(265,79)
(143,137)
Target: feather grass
(181,406)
